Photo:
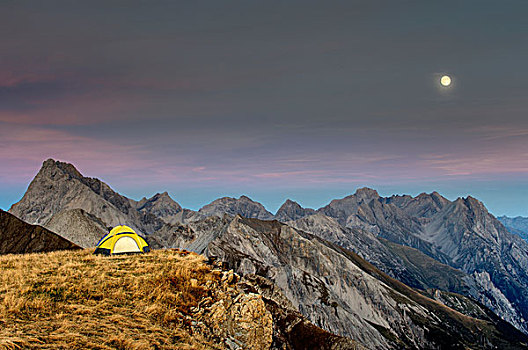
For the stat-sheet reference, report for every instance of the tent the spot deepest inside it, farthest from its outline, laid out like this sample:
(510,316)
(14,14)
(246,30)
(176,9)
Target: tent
(121,240)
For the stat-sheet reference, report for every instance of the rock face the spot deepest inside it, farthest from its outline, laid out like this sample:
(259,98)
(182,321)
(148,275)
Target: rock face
(245,319)
(78,226)
(338,290)
(16,237)
(367,210)
(232,206)
(517,225)
(406,264)
(59,186)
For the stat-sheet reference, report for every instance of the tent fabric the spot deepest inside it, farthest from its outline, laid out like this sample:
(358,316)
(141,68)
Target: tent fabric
(122,240)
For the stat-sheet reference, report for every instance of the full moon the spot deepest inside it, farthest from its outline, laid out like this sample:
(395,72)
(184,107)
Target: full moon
(445,80)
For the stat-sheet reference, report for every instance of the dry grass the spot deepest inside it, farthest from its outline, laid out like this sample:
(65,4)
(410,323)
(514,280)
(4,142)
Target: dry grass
(78,300)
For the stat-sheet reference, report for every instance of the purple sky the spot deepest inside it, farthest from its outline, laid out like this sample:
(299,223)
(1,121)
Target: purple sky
(304,100)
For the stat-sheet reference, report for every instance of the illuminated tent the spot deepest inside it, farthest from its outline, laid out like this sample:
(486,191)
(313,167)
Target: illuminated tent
(121,240)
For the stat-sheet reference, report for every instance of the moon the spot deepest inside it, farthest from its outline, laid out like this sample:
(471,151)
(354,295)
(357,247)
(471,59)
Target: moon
(445,80)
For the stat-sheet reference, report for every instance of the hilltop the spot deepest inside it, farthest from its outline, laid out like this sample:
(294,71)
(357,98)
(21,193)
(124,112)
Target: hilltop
(167,299)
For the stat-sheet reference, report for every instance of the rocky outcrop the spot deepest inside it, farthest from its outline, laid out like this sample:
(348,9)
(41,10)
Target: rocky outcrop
(232,206)
(59,186)
(17,237)
(243,320)
(78,226)
(254,313)
(289,326)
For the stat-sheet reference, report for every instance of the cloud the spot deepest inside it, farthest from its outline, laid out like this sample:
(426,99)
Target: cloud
(10,79)
(477,164)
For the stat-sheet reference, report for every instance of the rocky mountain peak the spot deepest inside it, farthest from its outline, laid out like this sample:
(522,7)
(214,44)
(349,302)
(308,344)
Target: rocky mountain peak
(471,204)
(292,210)
(475,204)
(244,206)
(438,198)
(159,199)
(424,205)
(366,193)
(289,204)
(51,166)
(162,195)
(59,186)
(160,205)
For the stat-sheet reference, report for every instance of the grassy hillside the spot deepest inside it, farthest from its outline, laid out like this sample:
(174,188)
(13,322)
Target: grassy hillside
(76,300)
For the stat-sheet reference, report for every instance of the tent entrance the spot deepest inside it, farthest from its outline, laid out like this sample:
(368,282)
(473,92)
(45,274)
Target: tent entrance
(126,245)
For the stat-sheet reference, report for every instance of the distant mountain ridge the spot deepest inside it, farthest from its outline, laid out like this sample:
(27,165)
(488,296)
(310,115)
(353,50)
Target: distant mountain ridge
(244,206)
(426,241)
(517,225)
(291,210)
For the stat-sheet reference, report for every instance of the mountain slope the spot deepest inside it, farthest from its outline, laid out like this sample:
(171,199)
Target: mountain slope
(16,236)
(478,243)
(406,264)
(59,186)
(78,226)
(338,290)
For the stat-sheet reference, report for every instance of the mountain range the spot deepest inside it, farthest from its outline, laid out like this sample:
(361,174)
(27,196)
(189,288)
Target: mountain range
(390,272)
(517,225)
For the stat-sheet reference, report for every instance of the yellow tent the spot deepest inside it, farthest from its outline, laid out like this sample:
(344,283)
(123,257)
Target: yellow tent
(121,240)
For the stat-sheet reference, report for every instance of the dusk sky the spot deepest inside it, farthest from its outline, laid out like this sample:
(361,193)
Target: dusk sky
(295,99)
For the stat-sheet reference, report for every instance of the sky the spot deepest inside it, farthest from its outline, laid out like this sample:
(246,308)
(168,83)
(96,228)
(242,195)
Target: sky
(306,100)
